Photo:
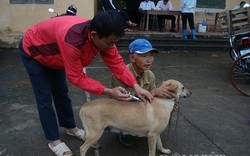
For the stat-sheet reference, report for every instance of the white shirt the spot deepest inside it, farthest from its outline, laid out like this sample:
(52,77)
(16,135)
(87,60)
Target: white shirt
(150,5)
(236,7)
(161,6)
(188,6)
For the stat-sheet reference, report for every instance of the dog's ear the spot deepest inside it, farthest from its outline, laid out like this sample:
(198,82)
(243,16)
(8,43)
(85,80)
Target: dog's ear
(172,87)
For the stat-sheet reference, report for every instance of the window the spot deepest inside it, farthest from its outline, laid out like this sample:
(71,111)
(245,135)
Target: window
(31,1)
(215,4)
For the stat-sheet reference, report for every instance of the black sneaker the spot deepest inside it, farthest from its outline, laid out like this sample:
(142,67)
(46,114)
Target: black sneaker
(126,140)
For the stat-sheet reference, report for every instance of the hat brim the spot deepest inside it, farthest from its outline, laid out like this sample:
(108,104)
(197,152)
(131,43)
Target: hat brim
(146,51)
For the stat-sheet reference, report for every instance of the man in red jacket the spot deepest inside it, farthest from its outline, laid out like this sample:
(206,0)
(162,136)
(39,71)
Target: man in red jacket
(63,46)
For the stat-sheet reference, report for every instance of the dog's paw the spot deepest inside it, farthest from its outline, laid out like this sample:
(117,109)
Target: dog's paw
(166,151)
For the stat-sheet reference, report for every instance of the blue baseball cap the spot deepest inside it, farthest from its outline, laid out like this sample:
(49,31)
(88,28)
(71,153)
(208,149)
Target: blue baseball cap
(141,46)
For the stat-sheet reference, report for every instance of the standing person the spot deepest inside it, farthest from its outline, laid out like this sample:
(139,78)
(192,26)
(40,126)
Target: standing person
(165,5)
(146,5)
(63,46)
(187,9)
(141,56)
(113,5)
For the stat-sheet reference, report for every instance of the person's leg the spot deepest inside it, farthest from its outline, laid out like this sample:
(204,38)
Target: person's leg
(132,9)
(191,20)
(191,24)
(184,20)
(61,99)
(184,25)
(160,22)
(42,90)
(127,20)
(62,103)
(173,20)
(41,86)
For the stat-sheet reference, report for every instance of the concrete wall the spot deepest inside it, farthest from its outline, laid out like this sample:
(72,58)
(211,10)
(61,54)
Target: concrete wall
(15,18)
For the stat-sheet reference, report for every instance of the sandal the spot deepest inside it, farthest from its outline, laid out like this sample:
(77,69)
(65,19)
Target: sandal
(131,24)
(61,149)
(127,30)
(80,134)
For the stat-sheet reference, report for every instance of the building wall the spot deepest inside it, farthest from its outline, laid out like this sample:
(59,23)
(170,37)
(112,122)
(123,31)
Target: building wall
(15,18)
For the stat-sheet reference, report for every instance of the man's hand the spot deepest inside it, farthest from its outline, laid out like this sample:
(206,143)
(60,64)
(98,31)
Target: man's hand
(143,94)
(118,93)
(163,92)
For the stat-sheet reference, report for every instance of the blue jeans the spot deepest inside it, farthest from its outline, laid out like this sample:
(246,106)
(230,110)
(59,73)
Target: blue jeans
(49,85)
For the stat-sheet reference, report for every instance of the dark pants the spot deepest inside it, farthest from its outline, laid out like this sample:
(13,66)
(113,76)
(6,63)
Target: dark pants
(161,19)
(49,84)
(132,9)
(187,17)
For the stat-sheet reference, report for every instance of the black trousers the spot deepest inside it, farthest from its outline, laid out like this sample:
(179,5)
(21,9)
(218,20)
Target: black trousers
(187,17)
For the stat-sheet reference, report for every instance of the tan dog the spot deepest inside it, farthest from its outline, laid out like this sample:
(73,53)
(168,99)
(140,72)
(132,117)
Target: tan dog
(136,118)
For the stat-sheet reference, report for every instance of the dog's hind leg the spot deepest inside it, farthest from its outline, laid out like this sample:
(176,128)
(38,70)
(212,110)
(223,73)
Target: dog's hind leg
(91,138)
(161,148)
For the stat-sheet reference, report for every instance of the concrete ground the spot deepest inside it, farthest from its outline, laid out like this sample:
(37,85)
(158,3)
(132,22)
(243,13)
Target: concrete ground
(213,121)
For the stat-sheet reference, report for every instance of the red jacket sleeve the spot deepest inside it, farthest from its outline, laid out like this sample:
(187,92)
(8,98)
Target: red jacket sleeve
(74,70)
